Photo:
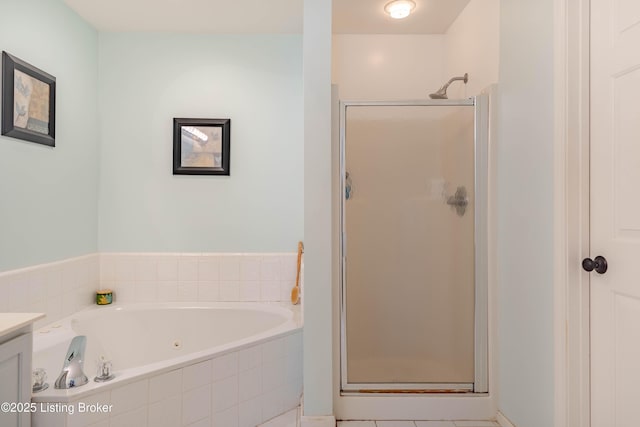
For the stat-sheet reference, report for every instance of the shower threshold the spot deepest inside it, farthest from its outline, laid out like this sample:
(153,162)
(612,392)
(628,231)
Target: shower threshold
(457,388)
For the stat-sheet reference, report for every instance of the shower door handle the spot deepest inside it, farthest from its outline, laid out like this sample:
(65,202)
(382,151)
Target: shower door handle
(459,200)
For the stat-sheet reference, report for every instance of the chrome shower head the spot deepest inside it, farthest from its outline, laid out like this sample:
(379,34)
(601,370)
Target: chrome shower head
(442,92)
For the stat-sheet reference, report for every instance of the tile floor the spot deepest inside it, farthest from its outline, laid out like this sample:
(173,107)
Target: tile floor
(288,419)
(418,424)
(291,419)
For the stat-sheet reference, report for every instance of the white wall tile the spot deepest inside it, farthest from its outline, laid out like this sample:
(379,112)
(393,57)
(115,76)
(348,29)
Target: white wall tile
(54,309)
(224,366)
(129,397)
(187,291)
(250,413)
(274,349)
(54,282)
(87,418)
(31,289)
(272,404)
(270,268)
(288,267)
(145,292)
(166,413)
(107,267)
(167,291)
(70,303)
(37,287)
(230,267)
(292,393)
(125,268)
(69,277)
(196,375)
(269,291)
(188,268)
(49,419)
(122,292)
(18,292)
(209,268)
(293,343)
(165,385)
(230,291)
(135,418)
(146,269)
(249,358)
(167,267)
(250,384)
(273,374)
(208,291)
(84,273)
(249,291)
(226,418)
(224,394)
(196,404)
(250,268)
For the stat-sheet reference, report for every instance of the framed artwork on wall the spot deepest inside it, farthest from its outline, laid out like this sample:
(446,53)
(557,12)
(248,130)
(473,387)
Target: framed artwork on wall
(28,102)
(201,146)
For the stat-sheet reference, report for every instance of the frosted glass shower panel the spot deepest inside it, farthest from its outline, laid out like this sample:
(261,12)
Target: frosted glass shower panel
(409,253)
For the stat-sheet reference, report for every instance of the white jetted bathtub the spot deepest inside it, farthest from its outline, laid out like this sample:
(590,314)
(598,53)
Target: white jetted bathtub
(175,364)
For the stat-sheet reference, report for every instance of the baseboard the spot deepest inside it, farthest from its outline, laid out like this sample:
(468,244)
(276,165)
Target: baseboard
(325,421)
(503,421)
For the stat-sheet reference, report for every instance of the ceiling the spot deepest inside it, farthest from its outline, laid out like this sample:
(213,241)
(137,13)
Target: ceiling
(368,17)
(261,16)
(193,16)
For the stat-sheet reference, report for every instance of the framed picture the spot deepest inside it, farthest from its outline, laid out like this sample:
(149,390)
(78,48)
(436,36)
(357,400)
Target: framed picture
(28,102)
(201,146)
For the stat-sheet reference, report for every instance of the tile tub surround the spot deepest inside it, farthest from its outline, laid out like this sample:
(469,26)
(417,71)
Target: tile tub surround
(242,388)
(57,289)
(182,277)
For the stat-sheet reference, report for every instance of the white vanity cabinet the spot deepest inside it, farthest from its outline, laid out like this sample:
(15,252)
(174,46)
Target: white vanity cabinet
(16,343)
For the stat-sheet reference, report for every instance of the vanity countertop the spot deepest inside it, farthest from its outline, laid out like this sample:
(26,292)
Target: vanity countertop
(10,322)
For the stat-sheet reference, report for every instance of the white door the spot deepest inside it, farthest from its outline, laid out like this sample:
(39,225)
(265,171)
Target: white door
(615,212)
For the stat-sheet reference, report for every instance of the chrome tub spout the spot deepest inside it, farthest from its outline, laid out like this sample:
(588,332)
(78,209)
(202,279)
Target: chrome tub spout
(72,374)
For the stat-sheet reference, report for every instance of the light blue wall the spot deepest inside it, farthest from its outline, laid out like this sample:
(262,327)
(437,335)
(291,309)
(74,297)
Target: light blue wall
(148,79)
(525,213)
(48,196)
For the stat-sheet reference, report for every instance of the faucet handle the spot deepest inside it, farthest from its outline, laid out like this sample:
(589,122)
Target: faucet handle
(39,378)
(104,370)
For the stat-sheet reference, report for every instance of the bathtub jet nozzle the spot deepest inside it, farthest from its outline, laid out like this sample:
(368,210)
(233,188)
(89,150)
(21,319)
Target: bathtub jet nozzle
(72,374)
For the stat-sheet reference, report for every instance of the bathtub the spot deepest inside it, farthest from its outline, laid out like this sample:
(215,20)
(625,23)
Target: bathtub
(175,364)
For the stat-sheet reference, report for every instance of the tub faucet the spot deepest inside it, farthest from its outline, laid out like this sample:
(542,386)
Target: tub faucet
(72,375)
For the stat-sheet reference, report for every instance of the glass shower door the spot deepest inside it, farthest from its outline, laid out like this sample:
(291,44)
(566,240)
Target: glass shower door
(409,247)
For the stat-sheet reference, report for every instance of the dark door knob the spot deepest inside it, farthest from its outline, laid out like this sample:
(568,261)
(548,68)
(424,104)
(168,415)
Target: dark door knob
(599,264)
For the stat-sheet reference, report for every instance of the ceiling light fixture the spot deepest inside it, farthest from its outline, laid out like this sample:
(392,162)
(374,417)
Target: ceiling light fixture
(399,9)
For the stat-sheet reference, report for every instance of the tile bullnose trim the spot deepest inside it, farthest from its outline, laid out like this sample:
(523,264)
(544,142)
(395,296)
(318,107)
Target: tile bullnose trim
(57,263)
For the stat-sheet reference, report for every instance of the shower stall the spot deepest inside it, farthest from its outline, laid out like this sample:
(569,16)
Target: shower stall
(413,218)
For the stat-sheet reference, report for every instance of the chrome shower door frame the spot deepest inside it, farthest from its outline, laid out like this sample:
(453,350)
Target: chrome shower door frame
(481,322)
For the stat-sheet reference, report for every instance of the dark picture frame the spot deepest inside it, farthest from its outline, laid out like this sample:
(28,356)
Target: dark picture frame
(28,102)
(201,146)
